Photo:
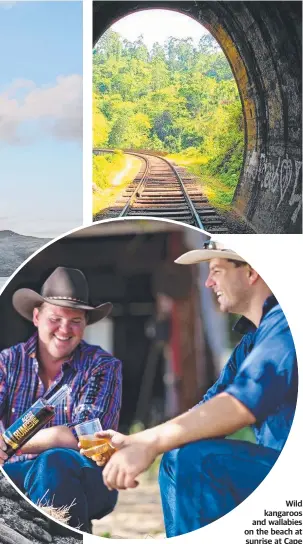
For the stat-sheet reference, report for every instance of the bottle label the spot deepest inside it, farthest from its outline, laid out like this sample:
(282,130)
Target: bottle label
(36,417)
(22,427)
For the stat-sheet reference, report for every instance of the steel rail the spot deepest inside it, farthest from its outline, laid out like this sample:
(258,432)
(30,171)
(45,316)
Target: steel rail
(136,192)
(140,187)
(186,196)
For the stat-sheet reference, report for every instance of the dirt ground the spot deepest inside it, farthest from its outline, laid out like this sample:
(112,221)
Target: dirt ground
(138,513)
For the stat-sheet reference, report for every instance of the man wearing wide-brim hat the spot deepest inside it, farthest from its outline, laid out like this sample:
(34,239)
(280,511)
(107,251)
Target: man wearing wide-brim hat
(202,475)
(49,468)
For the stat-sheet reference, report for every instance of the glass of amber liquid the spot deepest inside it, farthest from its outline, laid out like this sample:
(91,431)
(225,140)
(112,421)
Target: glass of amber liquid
(87,439)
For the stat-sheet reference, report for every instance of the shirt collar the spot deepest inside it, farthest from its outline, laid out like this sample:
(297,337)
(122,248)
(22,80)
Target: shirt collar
(31,350)
(30,347)
(244,325)
(73,359)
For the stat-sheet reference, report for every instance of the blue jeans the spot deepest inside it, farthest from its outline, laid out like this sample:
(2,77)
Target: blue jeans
(62,477)
(205,480)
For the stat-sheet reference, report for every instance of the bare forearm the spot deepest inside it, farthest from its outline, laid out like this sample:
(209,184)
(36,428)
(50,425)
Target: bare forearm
(220,416)
(53,437)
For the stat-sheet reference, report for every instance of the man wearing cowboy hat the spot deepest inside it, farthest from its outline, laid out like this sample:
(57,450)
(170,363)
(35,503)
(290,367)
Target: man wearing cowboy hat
(202,475)
(49,468)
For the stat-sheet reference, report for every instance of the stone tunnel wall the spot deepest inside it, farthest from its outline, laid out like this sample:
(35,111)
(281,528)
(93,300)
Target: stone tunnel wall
(262,42)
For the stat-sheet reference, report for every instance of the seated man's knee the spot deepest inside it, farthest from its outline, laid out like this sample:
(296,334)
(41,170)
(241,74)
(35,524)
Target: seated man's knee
(169,463)
(54,468)
(59,459)
(187,459)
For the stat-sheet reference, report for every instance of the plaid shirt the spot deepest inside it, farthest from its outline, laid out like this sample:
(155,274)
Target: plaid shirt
(95,378)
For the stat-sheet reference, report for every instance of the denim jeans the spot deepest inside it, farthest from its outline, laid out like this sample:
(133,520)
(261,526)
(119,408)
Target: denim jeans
(204,480)
(63,477)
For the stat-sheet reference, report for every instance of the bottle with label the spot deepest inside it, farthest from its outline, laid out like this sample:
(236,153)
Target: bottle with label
(40,413)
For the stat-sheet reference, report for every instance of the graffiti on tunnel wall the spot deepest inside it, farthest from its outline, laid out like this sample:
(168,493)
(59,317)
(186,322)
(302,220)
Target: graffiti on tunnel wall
(277,177)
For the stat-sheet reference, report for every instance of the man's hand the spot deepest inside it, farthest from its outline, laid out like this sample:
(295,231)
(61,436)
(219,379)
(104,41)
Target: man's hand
(132,455)
(3,447)
(135,453)
(219,416)
(102,453)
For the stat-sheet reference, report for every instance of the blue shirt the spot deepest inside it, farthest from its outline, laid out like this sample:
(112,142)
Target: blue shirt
(262,374)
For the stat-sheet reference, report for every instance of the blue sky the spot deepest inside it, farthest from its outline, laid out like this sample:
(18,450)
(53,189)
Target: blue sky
(40,116)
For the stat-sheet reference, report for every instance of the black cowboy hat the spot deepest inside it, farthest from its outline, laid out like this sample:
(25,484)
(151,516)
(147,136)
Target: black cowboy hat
(64,287)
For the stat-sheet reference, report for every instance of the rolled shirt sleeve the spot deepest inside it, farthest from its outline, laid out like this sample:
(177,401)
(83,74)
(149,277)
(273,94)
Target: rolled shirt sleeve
(268,375)
(229,372)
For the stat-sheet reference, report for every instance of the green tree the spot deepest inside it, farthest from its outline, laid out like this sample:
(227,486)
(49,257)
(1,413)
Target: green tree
(176,97)
(109,45)
(100,126)
(157,52)
(208,45)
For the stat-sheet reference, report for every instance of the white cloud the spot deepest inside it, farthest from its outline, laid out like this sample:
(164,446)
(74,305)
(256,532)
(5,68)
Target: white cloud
(7,5)
(19,84)
(55,108)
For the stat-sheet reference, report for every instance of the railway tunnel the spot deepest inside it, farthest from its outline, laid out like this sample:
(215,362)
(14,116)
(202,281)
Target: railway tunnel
(262,42)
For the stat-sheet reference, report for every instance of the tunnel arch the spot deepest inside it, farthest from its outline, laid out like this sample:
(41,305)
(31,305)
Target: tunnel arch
(262,42)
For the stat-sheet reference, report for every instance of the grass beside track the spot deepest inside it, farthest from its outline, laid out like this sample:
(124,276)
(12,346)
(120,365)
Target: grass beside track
(219,188)
(112,173)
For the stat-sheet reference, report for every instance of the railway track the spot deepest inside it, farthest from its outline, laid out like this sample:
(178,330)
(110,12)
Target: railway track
(163,190)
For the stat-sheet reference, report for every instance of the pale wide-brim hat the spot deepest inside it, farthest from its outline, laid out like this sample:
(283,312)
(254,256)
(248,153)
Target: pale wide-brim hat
(210,250)
(65,287)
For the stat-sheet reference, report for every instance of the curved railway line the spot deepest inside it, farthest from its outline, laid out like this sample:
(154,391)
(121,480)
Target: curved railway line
(163,190)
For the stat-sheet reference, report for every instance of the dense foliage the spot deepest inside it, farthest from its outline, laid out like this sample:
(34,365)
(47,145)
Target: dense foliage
(105,165)
(178,98)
